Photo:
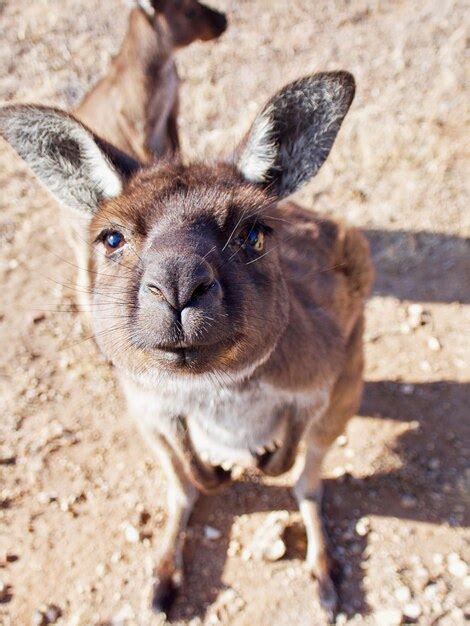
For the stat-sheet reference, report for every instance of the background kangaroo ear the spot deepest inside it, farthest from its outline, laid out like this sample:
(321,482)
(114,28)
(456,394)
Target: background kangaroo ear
(79,168)
(291,138)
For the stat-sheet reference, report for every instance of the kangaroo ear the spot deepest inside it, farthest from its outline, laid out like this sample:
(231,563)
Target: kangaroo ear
(80,169)
(291,138)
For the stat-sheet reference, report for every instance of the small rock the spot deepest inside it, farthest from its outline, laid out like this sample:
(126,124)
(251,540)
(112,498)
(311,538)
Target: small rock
(342,440)
(116,557)
(412,610)
(38,619)
(52,613)
(44,497)
(434,464)
(389,617)
(267,542)
(415,315)
(246,554)
(5,592)
(100,570)
(430,591)
(434,344)
(456,566)
(48,614)
(275,551)
(227,605)
(233,548)
(7,457)
(407,389)
(212,533)
(363,526)
(338,472)
(123,616)
(131,533)
(408,501)
(403,594)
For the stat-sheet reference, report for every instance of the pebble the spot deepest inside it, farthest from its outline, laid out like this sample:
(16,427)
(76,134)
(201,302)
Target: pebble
(456,566)
(227,605)
(408,501)
(267,542)
(342,440)
(415,315)
(246,554)
(121,618)
(5,593)
(101,570)
(363,526)
(275,551)
(212,533)
(233,548)
(389,617)
(44,497)
(407,389)
(403,594)
(131,533)
(412,610)
(430,591)
(434,344)
(46,615)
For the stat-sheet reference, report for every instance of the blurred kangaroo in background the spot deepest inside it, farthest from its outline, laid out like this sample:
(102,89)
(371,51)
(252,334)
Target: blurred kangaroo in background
(234,318)
(135,106)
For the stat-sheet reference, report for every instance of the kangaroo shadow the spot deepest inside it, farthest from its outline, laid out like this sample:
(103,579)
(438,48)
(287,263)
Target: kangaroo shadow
(421,266)
(439,413)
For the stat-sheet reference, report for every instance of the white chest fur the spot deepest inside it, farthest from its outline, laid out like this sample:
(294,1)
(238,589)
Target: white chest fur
(227,425)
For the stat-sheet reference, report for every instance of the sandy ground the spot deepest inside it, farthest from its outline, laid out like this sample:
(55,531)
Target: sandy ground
(82,501)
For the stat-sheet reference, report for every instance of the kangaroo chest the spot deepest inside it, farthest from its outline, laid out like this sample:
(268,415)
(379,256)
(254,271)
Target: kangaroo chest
(227,426)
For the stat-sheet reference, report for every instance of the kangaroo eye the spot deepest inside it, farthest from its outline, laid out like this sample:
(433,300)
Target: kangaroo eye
(113,240)
(252,237)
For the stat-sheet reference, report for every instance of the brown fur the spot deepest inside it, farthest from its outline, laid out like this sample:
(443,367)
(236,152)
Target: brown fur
(234,319)
(135,106)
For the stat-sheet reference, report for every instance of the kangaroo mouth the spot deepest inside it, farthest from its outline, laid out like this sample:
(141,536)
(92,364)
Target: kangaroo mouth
(191,358)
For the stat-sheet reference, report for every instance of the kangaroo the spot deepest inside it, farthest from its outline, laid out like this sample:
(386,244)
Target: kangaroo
(241,313)
(135,106)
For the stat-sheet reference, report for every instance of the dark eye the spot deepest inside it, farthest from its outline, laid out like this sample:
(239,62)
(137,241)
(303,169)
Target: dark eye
(252,237)
(113,240)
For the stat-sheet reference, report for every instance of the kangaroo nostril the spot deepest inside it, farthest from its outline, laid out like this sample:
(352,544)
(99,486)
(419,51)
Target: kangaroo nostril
(220,21)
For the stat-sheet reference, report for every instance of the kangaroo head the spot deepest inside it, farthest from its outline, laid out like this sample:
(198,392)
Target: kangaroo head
(187,272)
(188,20)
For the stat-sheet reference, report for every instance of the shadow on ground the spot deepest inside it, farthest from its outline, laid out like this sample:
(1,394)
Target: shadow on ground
(440,412)
(421,266)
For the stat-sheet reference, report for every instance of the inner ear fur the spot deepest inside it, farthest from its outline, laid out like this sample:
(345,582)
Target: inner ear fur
(80,169)
(292,136)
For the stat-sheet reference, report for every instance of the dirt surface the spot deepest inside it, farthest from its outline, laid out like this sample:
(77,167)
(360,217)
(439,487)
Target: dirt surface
(82,501)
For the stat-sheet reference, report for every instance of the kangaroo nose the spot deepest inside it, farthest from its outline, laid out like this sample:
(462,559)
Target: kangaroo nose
(180,284)
(220,22)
